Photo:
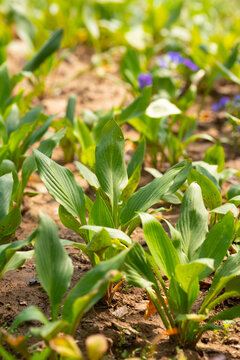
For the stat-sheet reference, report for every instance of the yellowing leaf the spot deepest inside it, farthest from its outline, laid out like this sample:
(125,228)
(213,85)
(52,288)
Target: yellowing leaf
(96,346)
(66,346)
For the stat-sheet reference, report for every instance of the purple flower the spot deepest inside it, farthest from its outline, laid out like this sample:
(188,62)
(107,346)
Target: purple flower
(221,104)
(145,80)
(162,63)
(190,64)
(215,107)
(236,100)
(224,101)
(175,57)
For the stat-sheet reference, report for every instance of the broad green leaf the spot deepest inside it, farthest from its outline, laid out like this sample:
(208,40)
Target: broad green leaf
(193,220)
(160,246)
(50,46)
(71,108)
(137,158)
(215,156)
(31,313)
(217,242)
(68,220)
(211,195)
(61,184)
(38,134)
(114,233)
(79,308)
(224,274)
(146,126)
(225,208)
(5,88)
(88,175)
(100,242)
(233,191)
(96,279)
(17,260)
(46,147)
(13,119)
(188,277)
(83,134)
(133,182)
(6,187)
(31,116)
(160,108)
(130,66)
(138,270)
(100,214)
(137,107)
(230,268)
(148,195)
(10,223)
(53,265)
(227,74)
(50,330)
(229,314)
(110,164)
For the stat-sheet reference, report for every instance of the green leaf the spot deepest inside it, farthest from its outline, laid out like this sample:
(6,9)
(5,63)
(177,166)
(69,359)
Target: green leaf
(68,220)
(53,265)
(137,107)
(88,175)
(148,195)
(110,164)
(83,134)
(160,108)
(10,223)
(193,220)
(229,314)
(227,74)
(5,88)
(31,313)
(215,156)
(50,46)
(17,260)
(99,243)
(31,116)
(138,270)
(6,187)
(100,214)
(229,269)
(114,233)
(137,158)
(233,191)
(96,279)
(50,330)
(13,119)
(71,108)
(160,246)
(132,183)
(188,277)
(61,184)
(46,147)
(217,242)
(225,208)
(211,195)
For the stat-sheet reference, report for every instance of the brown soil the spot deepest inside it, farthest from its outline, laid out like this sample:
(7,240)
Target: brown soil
(123,323)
